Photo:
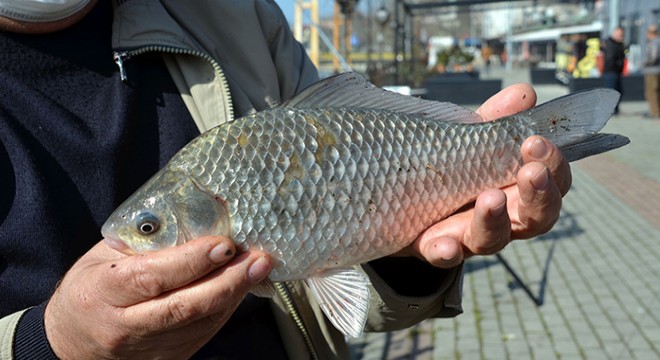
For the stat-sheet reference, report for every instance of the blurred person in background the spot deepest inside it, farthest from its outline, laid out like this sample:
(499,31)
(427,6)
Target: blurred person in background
(651,71)
(614,53)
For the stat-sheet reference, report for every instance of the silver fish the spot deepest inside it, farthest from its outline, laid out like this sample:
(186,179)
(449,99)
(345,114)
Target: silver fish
(343,174)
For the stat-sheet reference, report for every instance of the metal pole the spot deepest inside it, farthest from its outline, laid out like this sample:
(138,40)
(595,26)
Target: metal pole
(509,34)
(314,34)
(411,46)
(347,37)
(370,35)
(404,38)
(335,36)
(614,15)
(397,27)
(299,8)
(298,21)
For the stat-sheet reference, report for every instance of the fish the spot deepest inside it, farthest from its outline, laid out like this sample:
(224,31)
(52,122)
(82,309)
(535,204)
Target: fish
(344,173)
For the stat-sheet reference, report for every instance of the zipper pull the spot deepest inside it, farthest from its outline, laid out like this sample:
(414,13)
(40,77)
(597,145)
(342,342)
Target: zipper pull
(119,58)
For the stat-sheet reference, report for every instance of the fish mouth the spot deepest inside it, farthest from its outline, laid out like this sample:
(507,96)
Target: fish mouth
(118,245)
(111,239)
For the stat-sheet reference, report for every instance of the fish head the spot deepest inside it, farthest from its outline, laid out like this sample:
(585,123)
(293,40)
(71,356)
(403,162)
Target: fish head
(170,209)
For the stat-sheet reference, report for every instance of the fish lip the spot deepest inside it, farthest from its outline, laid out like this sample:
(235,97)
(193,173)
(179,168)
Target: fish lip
(110,238)
(118,245)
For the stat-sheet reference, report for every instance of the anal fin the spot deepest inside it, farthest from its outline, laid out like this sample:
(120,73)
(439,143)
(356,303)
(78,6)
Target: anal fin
(344,296)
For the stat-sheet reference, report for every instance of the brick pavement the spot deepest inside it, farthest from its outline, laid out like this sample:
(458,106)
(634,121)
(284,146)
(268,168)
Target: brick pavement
(597,273)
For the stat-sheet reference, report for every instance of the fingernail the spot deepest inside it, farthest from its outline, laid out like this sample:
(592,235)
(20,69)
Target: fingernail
(259,270)
(539,149)
(541,180)
(221,253)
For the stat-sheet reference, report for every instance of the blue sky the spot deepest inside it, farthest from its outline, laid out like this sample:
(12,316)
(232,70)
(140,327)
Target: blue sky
(325,7)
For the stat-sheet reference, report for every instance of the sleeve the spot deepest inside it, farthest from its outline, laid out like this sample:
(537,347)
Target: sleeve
(28,336)
(23,336)
(295,70)
(8,326)
(652,54)
(406,291)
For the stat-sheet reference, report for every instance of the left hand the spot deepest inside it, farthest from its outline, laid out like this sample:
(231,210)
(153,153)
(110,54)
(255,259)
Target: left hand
(523,210)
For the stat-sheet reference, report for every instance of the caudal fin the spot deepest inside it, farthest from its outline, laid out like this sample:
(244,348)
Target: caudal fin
(572,122)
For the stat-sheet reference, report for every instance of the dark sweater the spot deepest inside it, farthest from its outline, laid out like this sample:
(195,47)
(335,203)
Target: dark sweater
(74,142)
(614,56)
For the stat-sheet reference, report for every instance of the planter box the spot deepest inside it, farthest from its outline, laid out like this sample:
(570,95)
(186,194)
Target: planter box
(463,90)
(575,85)
(543,76)
(633,86)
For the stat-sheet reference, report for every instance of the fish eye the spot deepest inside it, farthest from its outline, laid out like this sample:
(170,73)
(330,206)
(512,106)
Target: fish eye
(148,224)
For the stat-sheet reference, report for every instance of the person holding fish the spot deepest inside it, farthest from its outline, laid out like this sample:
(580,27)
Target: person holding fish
(96,97)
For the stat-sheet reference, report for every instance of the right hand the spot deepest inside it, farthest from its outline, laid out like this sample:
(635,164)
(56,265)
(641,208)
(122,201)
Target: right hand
(166,304)
(528,208)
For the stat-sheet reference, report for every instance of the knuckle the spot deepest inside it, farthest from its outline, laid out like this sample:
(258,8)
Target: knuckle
(145,282)
(535,227)
(181,312)
(195,267)
(493,239)
(565,179)
(492,247)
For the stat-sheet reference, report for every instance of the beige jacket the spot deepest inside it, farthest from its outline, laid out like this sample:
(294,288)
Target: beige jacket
(232,58)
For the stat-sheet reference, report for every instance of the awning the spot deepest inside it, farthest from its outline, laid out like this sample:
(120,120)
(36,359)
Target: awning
(555,33)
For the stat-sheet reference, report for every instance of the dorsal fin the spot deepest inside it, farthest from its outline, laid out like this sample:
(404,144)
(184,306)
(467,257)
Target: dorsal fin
(352,90)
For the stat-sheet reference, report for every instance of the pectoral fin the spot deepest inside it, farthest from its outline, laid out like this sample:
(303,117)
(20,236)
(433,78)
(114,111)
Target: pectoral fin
(264,289)
(343,295)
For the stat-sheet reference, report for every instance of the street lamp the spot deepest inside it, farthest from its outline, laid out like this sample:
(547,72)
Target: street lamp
(382,17)
(347,8)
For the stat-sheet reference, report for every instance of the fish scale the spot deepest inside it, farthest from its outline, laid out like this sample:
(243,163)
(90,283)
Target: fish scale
(344,186)
(341,174)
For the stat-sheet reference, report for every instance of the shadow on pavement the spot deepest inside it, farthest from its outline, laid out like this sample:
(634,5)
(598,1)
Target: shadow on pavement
(565,228)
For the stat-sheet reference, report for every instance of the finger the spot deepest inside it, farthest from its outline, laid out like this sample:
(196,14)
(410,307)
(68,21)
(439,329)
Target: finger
(511,100)
(438,250)
(539,203)
(441,244)
(133,279)
(214,297)
(490,229)
(537,148)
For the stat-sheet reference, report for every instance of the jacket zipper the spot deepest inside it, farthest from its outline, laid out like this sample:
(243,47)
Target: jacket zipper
(120,57)
(285,294)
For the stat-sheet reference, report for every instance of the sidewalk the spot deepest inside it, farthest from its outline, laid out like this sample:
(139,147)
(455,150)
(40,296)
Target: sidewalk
(596,274)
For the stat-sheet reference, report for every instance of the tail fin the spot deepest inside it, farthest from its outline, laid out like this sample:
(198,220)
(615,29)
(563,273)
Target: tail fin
(572,123)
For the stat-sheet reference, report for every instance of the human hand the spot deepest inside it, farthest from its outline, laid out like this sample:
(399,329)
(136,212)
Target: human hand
(166,304)
(532,204)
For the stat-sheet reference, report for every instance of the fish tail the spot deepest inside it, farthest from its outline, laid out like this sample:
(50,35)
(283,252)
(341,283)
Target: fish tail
(573,122)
